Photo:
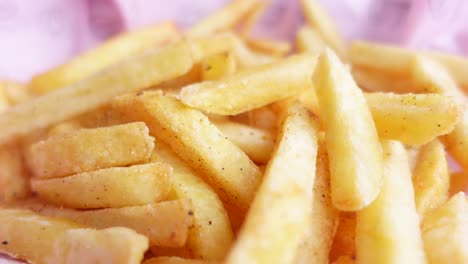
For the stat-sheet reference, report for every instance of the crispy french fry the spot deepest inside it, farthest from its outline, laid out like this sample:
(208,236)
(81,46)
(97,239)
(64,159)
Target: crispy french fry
(324,218)
(413,156)
(458,182)
(176,260)
(318,18)
(345,236)
(211,235)
(127,76)
(387,231)
(113,187)
(174,85)
(413,118)
(245,57)
(112,51)
(203,47)
(64,128)
(43,240)
(258,144)
(352,142)
(91,149)
(378,81)
(15,92)
(198,142)
(223,19)
(218,66)
(245,91)
(270,47)
(309,40)
(14,182)
(4,102)
(279,216)
(431,178)
(165,223)
(445,232)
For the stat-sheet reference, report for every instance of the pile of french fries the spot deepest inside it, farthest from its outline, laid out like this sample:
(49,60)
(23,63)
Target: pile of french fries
(213,146)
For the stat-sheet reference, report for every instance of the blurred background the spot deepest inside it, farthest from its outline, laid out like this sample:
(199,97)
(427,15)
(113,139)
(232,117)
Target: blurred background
(37,35)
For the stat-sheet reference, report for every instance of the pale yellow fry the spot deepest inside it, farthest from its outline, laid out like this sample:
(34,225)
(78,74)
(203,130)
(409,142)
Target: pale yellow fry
(43,240)
(164,223)
(309,40)
(458,182)
(352,141)
(14,92)
(257,143)
(211,235)
(413,118)
(245,91)
(112,51)
(318,18)
(251,19)
(431,178)
(279,215)
(91,149)
(127,76)
(373,80)
(113,187)
(176,260)
(4,101)
(218,66)
(445,232)
(199,143)
(14,182)
(387,231)
(203,47)
(245,57)
(317,244)
(270,47)
(223,19)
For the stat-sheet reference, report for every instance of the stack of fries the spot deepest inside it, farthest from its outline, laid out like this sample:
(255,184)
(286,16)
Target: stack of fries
(212,146)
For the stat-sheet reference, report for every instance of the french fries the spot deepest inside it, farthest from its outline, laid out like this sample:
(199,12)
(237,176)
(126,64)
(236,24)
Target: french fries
(248,90)
(279,215)
(56,241)
(458,182)
(110,52)
(175,260)
(377,81)
(14,92)
(344,238)
(445,231)
(309,40)
(218,66)
(91,149)
(273,48)
(14,182)
(352,142)
(112,187)
(96,90)
(165,223)
(387,231)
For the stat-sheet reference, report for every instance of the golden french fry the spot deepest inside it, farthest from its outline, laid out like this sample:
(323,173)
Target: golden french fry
(258,144)
(431,178)
(197,141)
(413,156)
(203,47)
(223,19)
(352,142)
(127,76)
(318,18)
(14,92)
(211,235)
(413,118)
(245,57)
(309,40)
(324,218)
(4,101)
(445,232)
(378,81)
(279,215)
(113,187)
(181,252)
(91,149)
(174,85)
(112,51)
(64,128)
(165,223)
(387,231)
(218,66)
(14,182)
(458,182)
(345,236)
(245,91)
(176,260)
(251,18)
(270,47)
(43,240)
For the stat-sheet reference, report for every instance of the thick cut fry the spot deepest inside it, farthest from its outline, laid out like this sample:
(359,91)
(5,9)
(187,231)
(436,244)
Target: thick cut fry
(44,240)
(387,231)
(112,51)
(458,182)
(279,216)
(113,187)
(309,40)
(127,76)
(204,47)
(218,66)
(248,90)
(352,142)
(13,174)
(176,260)
(445,232)
(431,178)
(378,81)
(270,47)
(196,140)
(91,149)
(258,144)
(223,19)
(64,128)
(324,218)
(318,18)
(413,118)
(164,223)
(345,236)
(211,235)
(245,57)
